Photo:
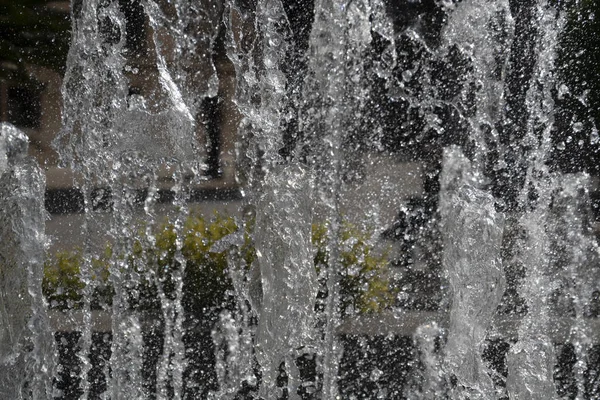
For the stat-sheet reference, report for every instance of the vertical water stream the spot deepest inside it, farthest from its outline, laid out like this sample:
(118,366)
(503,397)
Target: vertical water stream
(298,147)
(27,348)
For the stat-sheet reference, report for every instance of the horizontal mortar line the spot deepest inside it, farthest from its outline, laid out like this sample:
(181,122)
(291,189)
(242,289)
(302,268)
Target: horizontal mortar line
(403,323)
(70,200)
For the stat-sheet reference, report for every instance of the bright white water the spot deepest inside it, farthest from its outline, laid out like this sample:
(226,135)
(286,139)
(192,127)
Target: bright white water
(472,234)
(467,89)
(27,351)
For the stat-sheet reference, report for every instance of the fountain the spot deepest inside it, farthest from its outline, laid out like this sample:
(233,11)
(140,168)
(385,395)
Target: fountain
(410,223)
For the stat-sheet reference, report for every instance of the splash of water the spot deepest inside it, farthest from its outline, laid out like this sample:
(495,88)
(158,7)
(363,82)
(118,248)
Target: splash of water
(27,351)
(472,232)
(119,141)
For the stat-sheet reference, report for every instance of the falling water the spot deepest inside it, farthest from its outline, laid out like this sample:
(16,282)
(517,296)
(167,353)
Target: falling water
(472,234)
(477,103)
(26,343)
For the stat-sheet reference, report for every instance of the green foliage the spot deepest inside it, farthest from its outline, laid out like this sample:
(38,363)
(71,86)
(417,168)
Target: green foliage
(157,260)
(364,278)
(206,275)
(62,284)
